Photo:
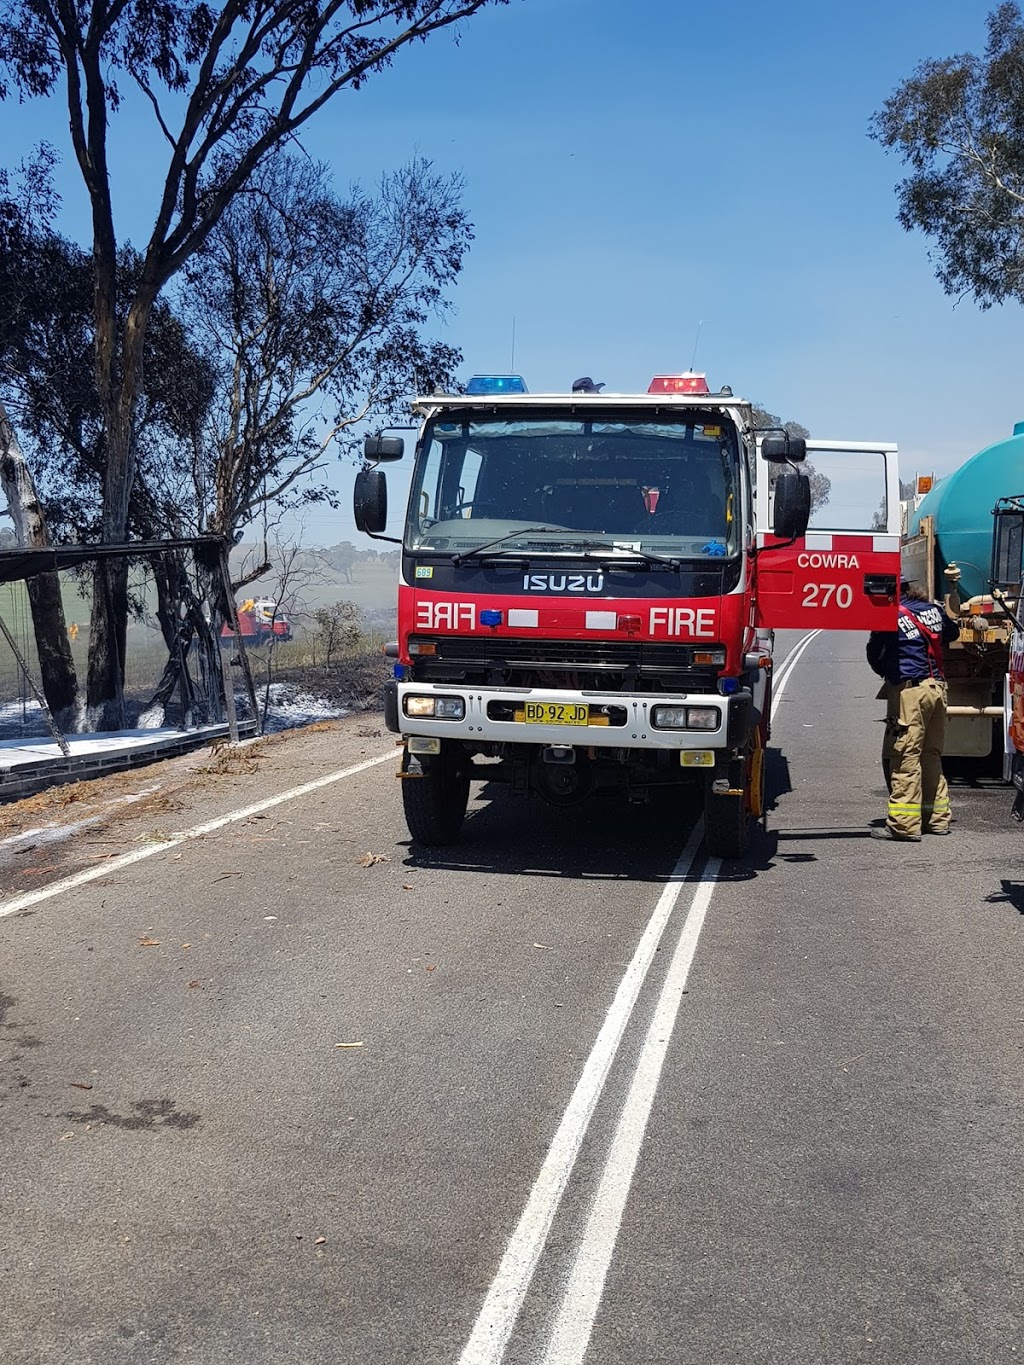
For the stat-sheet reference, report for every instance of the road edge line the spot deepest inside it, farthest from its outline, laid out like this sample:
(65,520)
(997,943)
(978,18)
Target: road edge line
(89,874)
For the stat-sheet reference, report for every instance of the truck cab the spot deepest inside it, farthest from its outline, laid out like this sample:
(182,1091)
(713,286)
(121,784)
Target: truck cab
(579,604)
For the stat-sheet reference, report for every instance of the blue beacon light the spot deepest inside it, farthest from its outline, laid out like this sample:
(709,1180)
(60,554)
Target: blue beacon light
(490,617)
(482,385)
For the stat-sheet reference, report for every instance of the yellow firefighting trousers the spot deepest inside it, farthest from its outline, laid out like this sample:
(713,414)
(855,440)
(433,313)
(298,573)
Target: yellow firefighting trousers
(915,731)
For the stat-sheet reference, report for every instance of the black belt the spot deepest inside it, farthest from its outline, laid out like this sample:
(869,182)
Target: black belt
(916,682)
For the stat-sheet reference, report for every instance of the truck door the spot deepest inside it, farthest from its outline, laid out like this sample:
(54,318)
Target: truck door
(844,573)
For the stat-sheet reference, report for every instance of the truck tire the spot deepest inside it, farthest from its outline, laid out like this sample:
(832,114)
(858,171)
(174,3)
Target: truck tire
(435,804)
(728,820)
(726,824)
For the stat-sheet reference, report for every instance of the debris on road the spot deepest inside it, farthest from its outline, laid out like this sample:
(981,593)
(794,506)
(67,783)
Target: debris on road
(348,1045)
(371,859)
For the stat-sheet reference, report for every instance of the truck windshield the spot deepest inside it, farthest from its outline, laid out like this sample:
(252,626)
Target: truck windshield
(667,484)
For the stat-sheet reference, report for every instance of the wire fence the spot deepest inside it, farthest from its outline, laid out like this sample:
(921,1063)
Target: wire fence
(169,615)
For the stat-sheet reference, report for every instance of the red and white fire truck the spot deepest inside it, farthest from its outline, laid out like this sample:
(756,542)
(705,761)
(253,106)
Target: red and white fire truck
(590,585)
(260,621)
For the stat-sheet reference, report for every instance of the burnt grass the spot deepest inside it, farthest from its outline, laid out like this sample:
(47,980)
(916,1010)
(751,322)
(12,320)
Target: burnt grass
(355,682)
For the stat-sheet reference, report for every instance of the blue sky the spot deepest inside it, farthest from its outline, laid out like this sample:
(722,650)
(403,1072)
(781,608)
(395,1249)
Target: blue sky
(636,171)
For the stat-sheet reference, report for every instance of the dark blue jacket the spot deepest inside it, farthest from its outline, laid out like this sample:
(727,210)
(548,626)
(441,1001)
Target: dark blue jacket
(903,653)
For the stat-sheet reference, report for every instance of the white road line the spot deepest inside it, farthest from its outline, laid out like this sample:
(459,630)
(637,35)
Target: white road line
(571,1333)
(105,869)
(581,1299)
(789,663)
(497,1319)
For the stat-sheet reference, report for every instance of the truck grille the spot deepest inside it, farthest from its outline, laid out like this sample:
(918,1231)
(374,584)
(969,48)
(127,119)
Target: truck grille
(601,665)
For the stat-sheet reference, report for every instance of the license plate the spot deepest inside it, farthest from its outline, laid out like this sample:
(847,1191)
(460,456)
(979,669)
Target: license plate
(553,713)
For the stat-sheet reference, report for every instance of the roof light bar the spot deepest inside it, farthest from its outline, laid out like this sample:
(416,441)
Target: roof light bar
(690,381)
(485,384)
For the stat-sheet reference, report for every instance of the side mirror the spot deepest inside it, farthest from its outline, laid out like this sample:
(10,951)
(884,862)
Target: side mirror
(792,505)
(370,501)
(384,448)
(784,449)
(1008,549)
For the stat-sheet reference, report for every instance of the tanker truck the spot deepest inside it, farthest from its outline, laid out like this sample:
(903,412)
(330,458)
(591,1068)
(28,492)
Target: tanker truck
(954,523)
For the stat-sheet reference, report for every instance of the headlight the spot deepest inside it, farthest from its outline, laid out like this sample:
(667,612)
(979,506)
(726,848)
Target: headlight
(437,708)
(419,706)
(685,717)
(449,708)
(669,717)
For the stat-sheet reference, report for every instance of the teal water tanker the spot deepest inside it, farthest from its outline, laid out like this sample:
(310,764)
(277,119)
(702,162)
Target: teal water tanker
(961,511)
(953,524)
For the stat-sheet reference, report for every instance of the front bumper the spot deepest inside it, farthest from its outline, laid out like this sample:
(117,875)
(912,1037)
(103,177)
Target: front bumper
(638,732)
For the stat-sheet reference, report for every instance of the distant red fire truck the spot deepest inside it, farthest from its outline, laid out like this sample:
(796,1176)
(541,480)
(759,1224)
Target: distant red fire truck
(590,584)
(260,620)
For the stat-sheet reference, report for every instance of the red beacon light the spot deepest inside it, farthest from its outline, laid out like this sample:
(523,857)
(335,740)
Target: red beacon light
(688,382)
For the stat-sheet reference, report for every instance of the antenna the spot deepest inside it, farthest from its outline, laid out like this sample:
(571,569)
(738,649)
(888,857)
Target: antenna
(695,341)
(512,365)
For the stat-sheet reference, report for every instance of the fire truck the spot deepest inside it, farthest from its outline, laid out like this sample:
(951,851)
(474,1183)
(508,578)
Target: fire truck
(260,620)
(590,586)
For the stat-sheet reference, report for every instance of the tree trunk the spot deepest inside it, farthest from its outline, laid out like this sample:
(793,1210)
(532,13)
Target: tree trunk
(108,632)
(119,386)
(172,590)
(56,664)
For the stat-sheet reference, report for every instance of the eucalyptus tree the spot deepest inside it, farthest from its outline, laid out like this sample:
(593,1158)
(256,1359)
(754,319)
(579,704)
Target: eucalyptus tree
(226,83)
(958,124)
(315,310)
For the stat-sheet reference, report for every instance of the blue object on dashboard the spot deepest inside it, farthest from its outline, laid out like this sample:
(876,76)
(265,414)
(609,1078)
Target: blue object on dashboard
(713,547)
(485,384)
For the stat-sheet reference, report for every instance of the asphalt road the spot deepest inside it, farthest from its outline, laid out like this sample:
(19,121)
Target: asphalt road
(567,1092)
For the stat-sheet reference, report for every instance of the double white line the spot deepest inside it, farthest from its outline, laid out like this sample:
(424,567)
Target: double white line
(570,1335)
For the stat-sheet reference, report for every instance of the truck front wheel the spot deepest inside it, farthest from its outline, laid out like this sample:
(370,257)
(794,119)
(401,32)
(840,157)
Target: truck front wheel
(435,804)
(729,818)
(726,824)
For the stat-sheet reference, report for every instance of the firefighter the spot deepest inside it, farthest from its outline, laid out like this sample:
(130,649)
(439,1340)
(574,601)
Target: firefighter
(909,660)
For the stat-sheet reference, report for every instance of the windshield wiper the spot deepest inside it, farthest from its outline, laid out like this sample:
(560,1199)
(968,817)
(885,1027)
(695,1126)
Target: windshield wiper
(500,540)
(612,553)
(615,553)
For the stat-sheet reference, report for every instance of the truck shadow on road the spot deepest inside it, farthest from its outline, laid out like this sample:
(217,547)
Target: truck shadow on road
(603,839)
